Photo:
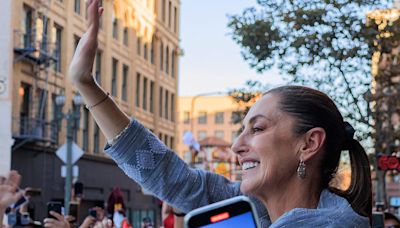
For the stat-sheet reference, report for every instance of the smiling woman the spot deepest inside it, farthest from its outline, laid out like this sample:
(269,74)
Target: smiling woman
(289,150)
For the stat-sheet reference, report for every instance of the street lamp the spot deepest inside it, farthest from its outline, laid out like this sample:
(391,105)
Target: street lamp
(72,117)
(192,105)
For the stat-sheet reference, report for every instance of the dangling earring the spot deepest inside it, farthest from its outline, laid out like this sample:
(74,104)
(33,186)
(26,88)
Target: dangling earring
(301,170)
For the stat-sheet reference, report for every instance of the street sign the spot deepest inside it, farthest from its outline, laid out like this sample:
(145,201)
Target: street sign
(77,153)
(387,162)
(75,171)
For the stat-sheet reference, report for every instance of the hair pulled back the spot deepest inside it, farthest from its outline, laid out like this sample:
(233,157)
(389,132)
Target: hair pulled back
(313,108)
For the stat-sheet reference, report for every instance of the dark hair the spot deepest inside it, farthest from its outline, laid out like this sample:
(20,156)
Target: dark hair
(312,108)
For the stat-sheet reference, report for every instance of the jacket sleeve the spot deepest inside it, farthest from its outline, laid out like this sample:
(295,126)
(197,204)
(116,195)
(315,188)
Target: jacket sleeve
(145,159)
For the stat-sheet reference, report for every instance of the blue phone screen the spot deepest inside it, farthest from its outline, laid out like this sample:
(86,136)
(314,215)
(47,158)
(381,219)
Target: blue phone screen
(242,220)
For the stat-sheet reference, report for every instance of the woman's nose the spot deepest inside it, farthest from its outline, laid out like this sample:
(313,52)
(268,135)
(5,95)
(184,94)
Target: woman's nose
(239,144)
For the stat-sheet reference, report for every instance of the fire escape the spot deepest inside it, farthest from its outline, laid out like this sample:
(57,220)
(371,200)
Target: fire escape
(33,47)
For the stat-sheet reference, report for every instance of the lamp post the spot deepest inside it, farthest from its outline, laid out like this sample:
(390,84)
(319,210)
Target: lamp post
(72,117)
(192,105)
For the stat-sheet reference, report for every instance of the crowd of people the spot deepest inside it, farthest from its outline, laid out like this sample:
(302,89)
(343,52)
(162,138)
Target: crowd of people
(14,204)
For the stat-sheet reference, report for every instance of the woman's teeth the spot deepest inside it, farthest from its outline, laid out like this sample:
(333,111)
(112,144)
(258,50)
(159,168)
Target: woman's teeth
(249,165)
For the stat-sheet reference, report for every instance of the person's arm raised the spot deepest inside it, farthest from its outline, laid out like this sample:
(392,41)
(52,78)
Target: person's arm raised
(108,116)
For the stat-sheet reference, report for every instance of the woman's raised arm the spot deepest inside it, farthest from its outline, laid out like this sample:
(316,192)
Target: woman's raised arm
(108,116)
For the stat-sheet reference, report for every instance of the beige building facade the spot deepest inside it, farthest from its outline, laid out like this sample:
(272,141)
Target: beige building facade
(206,116)
(137,63)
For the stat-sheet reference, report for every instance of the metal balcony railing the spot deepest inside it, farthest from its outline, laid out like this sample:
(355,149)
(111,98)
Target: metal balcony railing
(34,129)
(34,46)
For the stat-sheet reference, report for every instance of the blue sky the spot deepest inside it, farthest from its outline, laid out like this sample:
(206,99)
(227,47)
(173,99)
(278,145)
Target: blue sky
(212,61)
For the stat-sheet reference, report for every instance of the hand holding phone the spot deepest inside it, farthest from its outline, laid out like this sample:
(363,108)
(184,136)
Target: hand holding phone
(53,206)
(235,212)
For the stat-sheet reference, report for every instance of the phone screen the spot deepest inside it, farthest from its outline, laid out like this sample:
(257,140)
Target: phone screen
(242,220)
(235,212)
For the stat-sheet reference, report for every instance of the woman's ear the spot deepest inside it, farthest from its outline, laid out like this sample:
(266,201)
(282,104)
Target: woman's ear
(314,140)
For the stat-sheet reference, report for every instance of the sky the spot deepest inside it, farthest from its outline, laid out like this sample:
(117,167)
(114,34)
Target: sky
(212,61)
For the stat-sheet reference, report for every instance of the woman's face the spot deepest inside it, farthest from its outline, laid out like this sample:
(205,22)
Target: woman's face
(267,147)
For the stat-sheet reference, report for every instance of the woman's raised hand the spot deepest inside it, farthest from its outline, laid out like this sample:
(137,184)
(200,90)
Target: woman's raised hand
(80,69)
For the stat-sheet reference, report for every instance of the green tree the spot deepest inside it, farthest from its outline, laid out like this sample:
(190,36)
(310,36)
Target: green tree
(245,97)
(322,44)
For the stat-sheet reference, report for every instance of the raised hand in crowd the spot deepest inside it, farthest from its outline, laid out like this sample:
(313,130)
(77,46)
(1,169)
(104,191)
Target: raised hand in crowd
(8,191)
(59,221)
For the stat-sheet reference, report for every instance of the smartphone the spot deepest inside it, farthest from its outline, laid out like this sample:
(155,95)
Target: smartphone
(73,211)
(378,219)
(33,192)
(93,212)
(53,206)
(235,212)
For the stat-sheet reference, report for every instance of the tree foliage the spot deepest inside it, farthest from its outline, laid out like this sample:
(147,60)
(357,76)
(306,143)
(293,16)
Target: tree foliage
(324,44)
(245,97)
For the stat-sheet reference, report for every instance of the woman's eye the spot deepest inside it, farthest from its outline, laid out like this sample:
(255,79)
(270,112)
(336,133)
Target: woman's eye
(256,129)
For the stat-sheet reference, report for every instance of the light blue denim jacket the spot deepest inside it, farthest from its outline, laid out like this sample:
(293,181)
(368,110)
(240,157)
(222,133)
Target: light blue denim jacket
(145,159)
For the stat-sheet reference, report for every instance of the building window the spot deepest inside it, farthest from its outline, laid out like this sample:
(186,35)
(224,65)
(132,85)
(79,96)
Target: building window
(201,135)
(202,119)
(234,135)
(173,64)
(219,134)
(115,28)
(151,96)
(186,117)
(139,46)
(85,130)
(172,142)
(98,67)
(96,139)
(161,56)
(27,27)
(160,102)
(163,8)
(167,61)
(101,18)
(172,107)
(145,51)
(125,37)
(75,126)
(219,117)
(125,71)
(175,19)
(144,101)
(236,117)
(166,109)
(169,13)
(57,50)
(114,77)
(77,6)
(152,51)
(76,41)
(166,141)
(137,90)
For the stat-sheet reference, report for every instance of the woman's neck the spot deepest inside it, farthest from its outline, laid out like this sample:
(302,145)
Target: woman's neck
(295,194)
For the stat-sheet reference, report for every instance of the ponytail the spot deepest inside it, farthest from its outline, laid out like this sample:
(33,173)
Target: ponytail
(359,193)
